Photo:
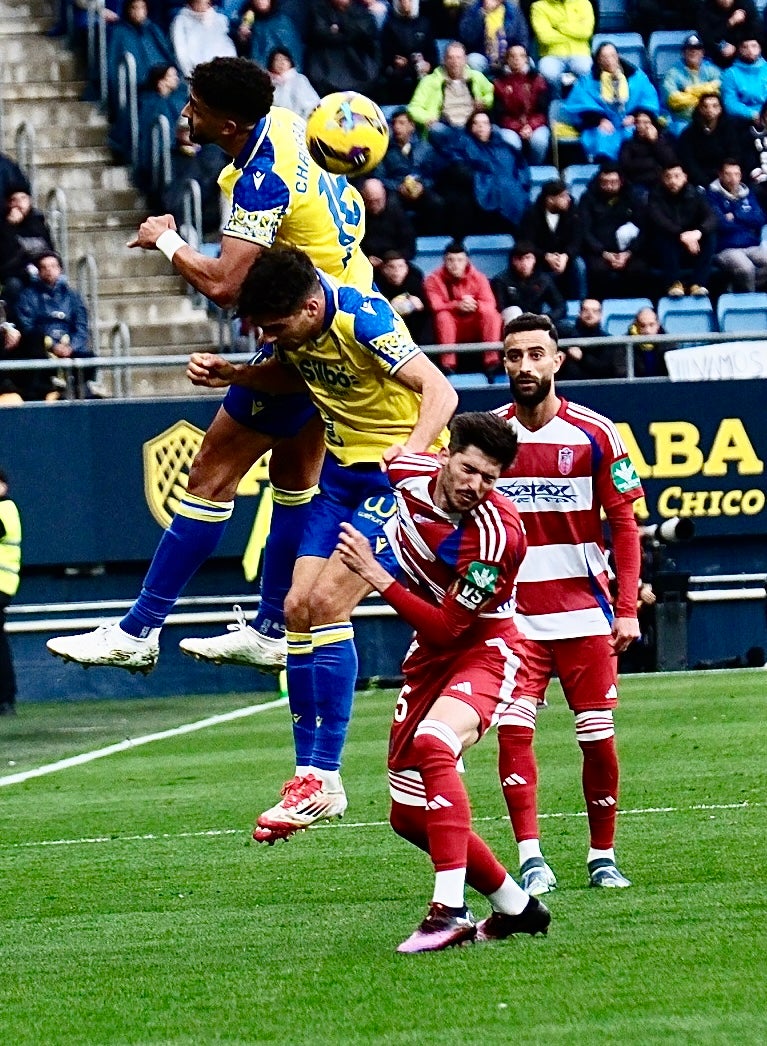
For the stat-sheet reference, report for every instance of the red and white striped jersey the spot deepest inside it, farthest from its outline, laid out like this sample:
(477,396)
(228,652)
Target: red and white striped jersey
(565,473)
(467,559)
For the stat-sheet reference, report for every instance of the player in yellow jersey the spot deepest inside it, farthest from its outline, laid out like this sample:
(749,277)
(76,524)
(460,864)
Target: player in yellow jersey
(278,194)
(379,396)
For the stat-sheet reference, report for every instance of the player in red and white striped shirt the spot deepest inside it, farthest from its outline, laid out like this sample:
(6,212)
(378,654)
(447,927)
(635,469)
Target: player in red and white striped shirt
(460,544)
(572,466)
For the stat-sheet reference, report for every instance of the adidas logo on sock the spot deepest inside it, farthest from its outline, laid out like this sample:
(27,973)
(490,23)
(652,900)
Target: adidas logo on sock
(438,803)
(514,779)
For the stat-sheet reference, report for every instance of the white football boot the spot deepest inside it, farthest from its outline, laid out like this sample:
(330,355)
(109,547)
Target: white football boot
(240,645)
(110,647)
(304,802)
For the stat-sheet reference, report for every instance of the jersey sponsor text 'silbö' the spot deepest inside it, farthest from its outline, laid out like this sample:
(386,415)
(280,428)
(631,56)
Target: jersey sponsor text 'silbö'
(350,372)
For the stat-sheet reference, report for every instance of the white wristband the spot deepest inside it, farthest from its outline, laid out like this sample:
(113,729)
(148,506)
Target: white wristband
(169,242)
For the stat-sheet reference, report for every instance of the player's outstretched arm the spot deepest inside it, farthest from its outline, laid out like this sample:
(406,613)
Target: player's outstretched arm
(438,402)
(219,278)
(210,371)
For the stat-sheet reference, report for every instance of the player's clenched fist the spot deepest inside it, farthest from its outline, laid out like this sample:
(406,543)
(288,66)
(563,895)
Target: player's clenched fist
(151,230)
(210,371)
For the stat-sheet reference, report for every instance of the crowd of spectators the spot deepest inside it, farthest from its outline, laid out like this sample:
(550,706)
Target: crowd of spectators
(676,206)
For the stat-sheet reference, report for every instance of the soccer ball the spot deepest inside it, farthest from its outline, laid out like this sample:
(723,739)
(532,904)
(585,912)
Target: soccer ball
(347,133)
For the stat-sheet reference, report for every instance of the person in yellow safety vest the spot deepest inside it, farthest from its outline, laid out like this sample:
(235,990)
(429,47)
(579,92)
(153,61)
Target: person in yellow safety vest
(10,565)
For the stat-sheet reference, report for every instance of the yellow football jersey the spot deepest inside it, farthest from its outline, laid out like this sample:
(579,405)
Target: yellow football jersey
(280,195)
(350,372)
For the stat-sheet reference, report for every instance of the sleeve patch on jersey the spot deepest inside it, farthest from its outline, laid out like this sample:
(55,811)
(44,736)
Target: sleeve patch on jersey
(257,226)
(484,576)
(469,596)
(394,346)
(624,475)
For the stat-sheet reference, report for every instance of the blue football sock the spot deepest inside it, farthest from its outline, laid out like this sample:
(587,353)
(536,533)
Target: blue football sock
(335,673)
(301,694)
(290,511)
(193,535)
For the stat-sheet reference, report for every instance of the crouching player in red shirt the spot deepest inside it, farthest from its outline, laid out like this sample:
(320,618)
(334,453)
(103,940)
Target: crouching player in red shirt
(460,544)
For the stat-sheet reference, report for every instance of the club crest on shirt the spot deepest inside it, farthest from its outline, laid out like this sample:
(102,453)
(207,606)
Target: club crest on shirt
(168,457)
(565,459)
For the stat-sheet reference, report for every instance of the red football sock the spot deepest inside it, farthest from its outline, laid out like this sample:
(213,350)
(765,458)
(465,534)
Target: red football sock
(600,790)
(448,816)
(484,872)
(519,779)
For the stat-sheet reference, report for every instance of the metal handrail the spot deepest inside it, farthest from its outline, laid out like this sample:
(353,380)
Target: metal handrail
(127,99)
(2,107)
(25,151)
(88,286)
(56,211)
(97,47)
(161,168)
(119,344)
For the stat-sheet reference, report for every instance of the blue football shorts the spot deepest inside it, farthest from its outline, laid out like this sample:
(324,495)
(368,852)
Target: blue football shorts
(278,416)
(357,494)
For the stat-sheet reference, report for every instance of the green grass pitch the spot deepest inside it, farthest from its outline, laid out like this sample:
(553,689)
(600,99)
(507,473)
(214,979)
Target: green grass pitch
(135,910)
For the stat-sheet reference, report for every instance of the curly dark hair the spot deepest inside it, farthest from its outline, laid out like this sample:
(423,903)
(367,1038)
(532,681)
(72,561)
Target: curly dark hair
(487,432)
(277,284)
(235,87)
(532,321)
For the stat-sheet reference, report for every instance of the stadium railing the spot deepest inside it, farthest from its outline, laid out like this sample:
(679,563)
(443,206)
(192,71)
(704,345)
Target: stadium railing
(56,216)
(228,341)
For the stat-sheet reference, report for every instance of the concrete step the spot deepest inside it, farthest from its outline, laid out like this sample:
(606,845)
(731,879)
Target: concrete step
(163,339)
(48,112)
(99,155)
(41,90)
(142,287)
(165,307)
(120,264)
(78,136)
(105,208)
(95,180)
(95,222)
(150,383)
(13,26)
(48,63)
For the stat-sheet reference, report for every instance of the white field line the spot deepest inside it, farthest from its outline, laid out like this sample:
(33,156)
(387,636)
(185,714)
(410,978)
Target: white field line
(136,742)
(214,832)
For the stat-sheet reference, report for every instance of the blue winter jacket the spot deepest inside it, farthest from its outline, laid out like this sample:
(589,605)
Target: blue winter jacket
(744,228)
(501,175)
(744,88)
(55,311)
(585,106)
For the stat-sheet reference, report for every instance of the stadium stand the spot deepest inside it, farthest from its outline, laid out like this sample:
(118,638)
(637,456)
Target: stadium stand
(629,46)
(540,173)
(686,315)
(663,50)
(613,16)
(490,253)
(563,134)
(742,312)
(618,313)
(577,176)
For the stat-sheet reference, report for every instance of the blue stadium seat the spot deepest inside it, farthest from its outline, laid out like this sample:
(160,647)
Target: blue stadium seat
(742,312)
(540,173)
(613,16)
(628,45)
(468,381)
(489,254)
(664,48)
(573,308)
(441,43)
(617,313)
(577,176)
(686,315)
(429,251)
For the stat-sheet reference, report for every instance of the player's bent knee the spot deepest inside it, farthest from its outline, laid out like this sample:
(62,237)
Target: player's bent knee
(432,736)
(594,726)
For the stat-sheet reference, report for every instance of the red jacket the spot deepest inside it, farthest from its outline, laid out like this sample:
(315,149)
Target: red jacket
(444,292)
(521,98)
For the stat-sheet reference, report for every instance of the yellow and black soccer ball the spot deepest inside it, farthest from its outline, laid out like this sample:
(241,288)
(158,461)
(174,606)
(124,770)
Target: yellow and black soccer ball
(347,134)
